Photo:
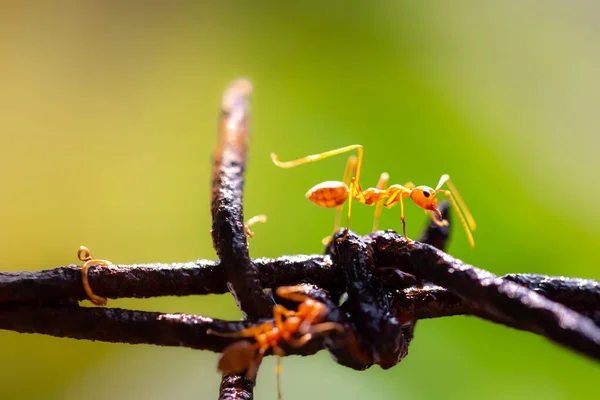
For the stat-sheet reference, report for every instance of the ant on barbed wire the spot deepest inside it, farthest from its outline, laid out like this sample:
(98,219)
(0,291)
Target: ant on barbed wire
(296,328)
(332,194)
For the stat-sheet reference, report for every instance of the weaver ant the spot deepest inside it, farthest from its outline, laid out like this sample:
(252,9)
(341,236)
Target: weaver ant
(286,325)
(331,194)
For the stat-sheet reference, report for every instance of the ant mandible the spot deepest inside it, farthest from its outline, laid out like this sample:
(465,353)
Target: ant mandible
(306,322)
(331,194)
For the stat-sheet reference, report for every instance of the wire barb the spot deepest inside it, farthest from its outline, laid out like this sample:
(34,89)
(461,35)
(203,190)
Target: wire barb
(84,255)
(229,232)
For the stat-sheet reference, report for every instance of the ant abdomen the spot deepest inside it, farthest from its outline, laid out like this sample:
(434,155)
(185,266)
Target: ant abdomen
(329,194)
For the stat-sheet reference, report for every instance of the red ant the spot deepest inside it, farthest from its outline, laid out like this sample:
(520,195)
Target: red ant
(335,193)
(244,355)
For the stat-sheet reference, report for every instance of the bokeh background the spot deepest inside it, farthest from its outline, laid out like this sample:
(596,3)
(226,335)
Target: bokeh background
(107,123)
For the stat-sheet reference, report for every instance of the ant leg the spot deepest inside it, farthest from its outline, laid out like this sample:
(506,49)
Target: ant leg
(321,156)
(315,330)
(326,327)
(316,311)
(84,255)
(251,332)
(381,184)
(402,217)
(446,179)
(348,172)
(278,312)
(460,216)
(357,194)
(410,186)
(257,218)
(279,353)
(252,370)
(294,293)
(396,194)
(300,341)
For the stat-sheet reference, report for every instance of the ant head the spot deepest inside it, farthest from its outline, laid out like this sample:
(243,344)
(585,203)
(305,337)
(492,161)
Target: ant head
(424,197)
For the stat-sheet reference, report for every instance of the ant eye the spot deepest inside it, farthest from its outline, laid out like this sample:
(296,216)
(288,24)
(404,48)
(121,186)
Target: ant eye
(426,193)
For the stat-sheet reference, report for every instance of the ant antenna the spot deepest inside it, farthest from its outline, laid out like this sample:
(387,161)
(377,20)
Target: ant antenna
(468,223)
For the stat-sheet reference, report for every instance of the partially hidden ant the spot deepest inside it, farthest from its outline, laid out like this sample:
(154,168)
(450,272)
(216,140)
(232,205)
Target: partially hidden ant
(296,328)
(332,194)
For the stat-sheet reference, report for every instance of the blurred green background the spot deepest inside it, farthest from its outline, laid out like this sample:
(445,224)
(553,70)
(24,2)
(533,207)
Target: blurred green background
(107,123)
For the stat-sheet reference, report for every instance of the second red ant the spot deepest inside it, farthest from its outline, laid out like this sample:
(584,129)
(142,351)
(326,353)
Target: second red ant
(286,326)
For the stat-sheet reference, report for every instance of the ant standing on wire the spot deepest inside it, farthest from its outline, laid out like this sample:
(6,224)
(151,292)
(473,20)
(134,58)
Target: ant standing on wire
(306,322)
(331,194)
